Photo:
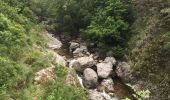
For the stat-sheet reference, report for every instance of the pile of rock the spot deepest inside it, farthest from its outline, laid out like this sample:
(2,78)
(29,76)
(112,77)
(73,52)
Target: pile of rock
(97,75)
(78,50)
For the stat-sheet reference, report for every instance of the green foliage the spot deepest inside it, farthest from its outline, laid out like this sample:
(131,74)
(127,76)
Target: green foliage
(11,33)
(10,72)
(38,60)
(104,22)
(68,15)
(60,90)
(19,60)
(108,25)
(139,94)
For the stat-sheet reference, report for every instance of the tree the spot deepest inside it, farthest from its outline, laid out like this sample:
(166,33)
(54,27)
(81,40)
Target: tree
(108,26)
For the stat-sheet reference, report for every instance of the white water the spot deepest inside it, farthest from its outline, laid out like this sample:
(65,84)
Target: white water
(104,94)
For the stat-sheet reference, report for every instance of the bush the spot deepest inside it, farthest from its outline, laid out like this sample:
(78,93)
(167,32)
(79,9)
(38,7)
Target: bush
(10,72)
(62,91)
(108,26)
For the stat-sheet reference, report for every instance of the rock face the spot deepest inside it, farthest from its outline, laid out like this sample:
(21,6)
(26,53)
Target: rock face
(111,60)
(82,63)
(74,46)
(45,75)
(104,69)
(90,79)
(94,95)
(124,71)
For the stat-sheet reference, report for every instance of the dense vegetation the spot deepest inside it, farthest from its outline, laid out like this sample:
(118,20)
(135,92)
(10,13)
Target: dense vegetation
(20,60)
(105,23)
(149,46)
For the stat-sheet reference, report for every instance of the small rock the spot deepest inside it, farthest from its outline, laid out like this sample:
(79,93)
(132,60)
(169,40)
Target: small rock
(74,46)
(88,53)
(94,95)
(108,83)
(104,69)
(110,59)
(90,79)
(80,52)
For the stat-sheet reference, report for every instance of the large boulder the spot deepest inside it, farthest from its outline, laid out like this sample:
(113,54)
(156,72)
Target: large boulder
(82,63)
(104,69)
(94,95)
(74,46)
(110,60)
(90,78)
(124,71)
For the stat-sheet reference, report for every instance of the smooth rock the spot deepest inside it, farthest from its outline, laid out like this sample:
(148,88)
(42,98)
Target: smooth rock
(94,95)
(90,78)
(104,69)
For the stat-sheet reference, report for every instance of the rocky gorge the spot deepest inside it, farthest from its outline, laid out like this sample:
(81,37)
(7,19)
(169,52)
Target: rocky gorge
(102,78)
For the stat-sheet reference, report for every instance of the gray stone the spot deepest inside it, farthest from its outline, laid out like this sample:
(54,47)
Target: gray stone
(82,63)
(74,46)
(104,69)
(108,84)
(80,52)
(90,79)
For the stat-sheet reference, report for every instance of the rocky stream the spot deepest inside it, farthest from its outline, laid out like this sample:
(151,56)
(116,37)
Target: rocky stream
(103,77)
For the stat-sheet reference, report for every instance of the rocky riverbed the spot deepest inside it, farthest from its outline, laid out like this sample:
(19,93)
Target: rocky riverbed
(103,78)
